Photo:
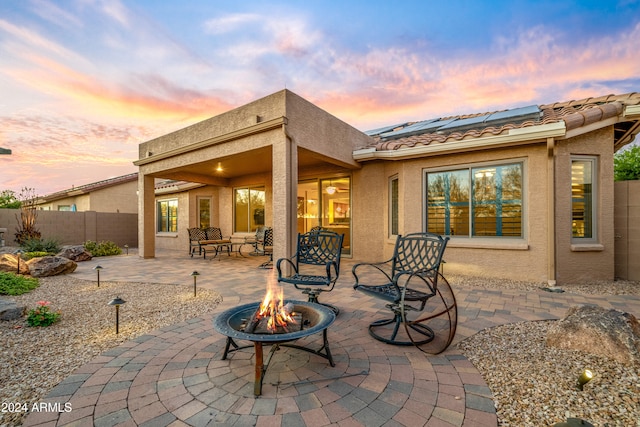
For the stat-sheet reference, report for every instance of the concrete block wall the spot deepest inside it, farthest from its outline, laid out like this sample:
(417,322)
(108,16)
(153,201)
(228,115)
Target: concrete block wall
(627,229)
(72,228)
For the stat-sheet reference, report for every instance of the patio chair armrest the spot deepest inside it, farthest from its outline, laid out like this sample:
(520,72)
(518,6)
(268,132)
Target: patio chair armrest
(335,270)
(379,267)
(279,267)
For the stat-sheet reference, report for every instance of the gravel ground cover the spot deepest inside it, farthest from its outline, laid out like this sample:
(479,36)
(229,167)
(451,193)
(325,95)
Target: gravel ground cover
(34,360)
(532,384)
(535,385)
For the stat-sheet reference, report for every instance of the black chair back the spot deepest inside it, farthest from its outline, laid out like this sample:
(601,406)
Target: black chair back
(319,248)
(419,252)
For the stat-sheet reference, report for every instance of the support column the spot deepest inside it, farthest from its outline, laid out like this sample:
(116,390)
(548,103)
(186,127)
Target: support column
(146,215)
(285,192)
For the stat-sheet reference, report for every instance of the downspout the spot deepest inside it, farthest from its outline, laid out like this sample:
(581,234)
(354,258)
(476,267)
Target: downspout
(551,212)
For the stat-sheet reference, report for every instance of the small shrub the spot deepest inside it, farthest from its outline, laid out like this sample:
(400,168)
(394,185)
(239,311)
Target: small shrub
(36,254)
(42,315)
(50,246)
(14,284)
(104,248)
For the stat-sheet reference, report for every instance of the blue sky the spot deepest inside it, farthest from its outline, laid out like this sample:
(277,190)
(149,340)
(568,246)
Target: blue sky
(83,82)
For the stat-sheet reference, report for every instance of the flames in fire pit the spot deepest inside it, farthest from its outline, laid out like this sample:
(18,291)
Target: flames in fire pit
(273,315)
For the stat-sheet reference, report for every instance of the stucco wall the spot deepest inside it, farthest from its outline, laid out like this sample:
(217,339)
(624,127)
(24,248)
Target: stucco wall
(488,257)
(577,262)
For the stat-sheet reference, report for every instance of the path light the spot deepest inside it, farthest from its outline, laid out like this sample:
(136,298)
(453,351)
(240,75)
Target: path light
(117,301)
(126,247)
(194,274)
(584,378)
(19,253)
(97,268)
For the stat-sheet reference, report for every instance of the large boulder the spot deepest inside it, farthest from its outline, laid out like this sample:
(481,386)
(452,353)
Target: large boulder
(9,263)
(51,266)
(9,310)
(596,330)
(75,253)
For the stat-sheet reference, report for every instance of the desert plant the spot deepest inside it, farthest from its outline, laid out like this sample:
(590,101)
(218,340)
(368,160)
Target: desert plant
(51,246)
(42,315)
(28,215)
(14,284)
(104,248)
(35,254)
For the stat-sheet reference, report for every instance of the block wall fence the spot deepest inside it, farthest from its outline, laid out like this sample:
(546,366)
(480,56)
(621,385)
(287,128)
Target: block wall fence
(74,228)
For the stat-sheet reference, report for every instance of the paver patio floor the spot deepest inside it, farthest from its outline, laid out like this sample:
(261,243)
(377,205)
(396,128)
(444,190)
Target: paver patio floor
(175,376)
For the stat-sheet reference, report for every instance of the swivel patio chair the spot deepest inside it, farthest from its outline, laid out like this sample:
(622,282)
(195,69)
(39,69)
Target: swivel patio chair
(196,235)
(315,266)
(416,292)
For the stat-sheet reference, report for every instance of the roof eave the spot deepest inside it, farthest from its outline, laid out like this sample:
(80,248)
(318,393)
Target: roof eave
(526,135)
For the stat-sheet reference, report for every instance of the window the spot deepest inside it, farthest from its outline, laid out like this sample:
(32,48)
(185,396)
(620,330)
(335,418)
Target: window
(475,201)
(393,206)
(204,212)
(583,170)
(248,209)
(167,216)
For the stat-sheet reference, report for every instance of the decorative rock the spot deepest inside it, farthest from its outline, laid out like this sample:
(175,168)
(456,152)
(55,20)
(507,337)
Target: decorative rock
(75,253)
(9,310)
(9,263)
(595,330)
(51,266)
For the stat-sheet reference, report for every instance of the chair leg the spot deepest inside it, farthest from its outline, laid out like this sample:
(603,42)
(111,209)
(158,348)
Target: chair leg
(313,297)
(421,330)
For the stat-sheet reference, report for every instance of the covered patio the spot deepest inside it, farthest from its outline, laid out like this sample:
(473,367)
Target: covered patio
(175,375)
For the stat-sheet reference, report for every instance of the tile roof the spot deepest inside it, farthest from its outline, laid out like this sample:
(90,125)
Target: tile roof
(83,189)
(575,114)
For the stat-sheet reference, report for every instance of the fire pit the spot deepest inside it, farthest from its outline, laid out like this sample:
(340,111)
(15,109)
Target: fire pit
(246,322)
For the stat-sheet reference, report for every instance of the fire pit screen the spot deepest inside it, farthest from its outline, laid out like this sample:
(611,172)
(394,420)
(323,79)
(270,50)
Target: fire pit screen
(267,323)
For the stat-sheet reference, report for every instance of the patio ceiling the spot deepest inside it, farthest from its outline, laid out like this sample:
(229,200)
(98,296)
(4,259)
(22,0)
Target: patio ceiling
(243,164)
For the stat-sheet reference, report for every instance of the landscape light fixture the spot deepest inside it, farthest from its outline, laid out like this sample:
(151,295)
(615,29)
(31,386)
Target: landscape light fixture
(97,268)
(194,274)
(584,378)
(117,301)
(126,247)
(19,254)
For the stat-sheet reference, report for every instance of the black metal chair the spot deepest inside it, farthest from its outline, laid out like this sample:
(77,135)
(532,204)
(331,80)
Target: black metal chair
(196,235)
(264,247)
(315,266)
(417,293)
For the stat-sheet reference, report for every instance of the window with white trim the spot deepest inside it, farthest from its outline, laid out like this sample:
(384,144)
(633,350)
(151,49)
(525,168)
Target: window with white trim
(484,201)
(167,216)
(583,191)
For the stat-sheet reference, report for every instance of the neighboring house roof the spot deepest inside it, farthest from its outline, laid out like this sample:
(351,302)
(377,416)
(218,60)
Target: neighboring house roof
(5,151)
(87,188)
(550,120)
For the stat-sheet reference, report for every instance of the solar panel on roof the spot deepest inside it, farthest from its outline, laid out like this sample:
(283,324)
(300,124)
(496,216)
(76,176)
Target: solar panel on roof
(417,128)
(516,112)
(459,123)
(378,131)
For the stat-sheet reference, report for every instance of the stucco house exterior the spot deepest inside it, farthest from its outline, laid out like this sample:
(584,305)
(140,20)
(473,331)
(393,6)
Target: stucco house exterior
(525,193)
(117,194)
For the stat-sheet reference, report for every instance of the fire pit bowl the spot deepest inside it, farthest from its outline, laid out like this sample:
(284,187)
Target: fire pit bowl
(315,318)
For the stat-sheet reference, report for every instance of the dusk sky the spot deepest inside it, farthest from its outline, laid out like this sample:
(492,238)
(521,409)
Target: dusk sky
(83,82)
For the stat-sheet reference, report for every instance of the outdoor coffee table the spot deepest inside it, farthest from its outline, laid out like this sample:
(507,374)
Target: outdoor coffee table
(315,319)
